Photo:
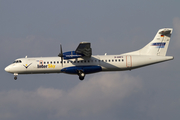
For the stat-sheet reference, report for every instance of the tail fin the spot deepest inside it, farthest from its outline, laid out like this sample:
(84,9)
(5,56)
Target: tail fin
(158,46)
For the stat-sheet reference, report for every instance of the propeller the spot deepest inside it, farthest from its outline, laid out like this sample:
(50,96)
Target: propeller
(61,54)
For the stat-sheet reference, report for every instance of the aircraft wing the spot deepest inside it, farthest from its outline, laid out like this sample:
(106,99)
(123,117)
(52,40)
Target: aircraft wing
(84,48)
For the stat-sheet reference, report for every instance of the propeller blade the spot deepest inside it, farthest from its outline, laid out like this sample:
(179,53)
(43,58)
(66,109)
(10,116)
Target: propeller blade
(61,54)
(61,49)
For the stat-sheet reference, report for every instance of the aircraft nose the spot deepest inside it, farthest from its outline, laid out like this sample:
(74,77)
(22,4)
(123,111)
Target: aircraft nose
(7,69)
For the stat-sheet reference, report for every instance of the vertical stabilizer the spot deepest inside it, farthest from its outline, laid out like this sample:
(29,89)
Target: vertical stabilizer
(159,45)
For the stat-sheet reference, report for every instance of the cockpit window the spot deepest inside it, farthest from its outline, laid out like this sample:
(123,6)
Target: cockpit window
(17,61)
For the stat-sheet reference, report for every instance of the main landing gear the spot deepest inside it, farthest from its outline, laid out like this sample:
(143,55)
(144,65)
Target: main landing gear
(15,76)
(81,74)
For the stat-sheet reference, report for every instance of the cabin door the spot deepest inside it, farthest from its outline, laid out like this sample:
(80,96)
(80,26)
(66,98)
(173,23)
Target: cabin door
(128,61)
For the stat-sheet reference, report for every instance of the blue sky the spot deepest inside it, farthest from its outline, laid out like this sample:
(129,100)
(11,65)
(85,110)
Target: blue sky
(37,27)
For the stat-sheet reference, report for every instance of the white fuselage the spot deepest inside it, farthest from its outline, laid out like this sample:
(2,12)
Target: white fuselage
(106,62)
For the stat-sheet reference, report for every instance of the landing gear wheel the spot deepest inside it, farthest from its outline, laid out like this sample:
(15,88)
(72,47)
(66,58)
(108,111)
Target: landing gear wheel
(81,78)
(81,75)
(15,77)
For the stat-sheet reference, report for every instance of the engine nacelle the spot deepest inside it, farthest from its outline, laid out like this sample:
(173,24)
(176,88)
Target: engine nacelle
(71,55)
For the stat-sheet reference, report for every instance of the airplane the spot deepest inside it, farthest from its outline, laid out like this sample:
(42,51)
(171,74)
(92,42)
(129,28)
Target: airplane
(81,61)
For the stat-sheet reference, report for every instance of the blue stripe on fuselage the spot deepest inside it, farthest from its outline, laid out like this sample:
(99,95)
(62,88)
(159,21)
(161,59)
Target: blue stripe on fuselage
(85,69)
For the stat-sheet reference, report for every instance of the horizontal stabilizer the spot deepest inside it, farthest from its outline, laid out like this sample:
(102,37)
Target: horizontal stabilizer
(166,32)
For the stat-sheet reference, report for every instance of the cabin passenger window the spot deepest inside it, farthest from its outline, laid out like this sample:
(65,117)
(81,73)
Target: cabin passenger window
(44,62)
(119,60)
(64,61)
(112,60)
(57,62)
(47,62)
(51,62)
(122,60)
(54,62)
(109,60)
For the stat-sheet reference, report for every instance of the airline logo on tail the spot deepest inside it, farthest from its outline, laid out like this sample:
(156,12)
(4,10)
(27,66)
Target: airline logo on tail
(159,45)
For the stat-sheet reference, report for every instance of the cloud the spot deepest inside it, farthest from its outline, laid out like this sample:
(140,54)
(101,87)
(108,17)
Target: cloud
(93,97)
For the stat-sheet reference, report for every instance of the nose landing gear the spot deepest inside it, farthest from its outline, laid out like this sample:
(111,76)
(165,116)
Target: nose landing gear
(15,76)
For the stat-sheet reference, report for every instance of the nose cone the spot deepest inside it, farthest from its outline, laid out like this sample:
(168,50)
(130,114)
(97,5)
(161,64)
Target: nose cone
(7,69)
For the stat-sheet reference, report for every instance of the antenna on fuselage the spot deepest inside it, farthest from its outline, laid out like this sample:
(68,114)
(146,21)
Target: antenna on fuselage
(26,56)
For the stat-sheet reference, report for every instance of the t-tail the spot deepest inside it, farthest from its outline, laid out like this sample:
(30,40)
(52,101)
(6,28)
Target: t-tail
(158,46)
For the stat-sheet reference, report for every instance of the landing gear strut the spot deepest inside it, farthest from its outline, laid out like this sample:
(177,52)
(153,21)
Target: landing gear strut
(15,76)
(81,74)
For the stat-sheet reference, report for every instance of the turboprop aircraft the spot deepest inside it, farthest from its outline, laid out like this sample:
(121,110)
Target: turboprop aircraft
(81,61)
